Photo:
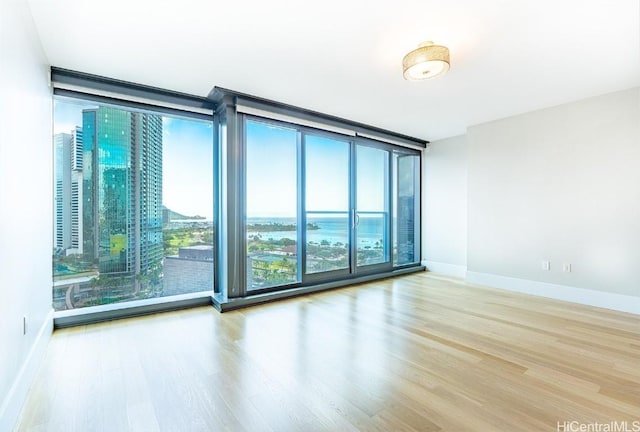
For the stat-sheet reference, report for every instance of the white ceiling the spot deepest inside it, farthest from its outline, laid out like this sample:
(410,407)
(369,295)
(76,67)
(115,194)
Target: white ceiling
(343,57)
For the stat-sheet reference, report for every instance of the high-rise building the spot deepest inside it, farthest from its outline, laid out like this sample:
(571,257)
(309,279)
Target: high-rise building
(405,230)
(68,192)
(76,149)
(62,221)
(122,190)
(76,191)
(148,199)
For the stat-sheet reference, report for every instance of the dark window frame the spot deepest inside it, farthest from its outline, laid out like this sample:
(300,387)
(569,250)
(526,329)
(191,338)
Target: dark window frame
(150,100)
(221,107)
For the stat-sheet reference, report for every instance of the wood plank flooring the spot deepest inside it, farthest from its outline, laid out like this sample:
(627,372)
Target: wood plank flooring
(416,353)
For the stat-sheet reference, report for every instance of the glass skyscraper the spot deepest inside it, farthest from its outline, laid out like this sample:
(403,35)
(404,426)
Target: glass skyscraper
(68,180)
(122,190)
(62,222)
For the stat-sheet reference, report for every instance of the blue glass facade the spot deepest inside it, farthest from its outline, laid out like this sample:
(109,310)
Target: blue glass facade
(89,233)
(122,190)
(148,149)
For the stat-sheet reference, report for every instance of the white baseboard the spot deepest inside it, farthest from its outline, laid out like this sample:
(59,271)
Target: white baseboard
(444,268)
(619,302)
(13,401)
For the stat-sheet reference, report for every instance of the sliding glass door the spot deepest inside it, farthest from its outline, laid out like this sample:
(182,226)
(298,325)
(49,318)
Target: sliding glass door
(371,224)
(322,207)
(327,204)
(272,228)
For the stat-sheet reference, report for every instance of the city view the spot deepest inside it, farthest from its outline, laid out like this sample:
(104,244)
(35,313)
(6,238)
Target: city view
(272,246)
(328,228)
(133,205)
(125,224)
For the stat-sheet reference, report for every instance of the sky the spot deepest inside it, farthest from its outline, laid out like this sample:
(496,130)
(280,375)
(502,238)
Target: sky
(271,173)
(188,167)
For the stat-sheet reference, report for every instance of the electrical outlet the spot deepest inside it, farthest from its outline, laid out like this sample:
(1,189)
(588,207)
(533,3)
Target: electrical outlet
(546,265)
(24,325)
(566,267)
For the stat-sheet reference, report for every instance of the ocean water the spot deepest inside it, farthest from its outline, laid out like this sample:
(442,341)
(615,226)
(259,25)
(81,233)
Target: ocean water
(334,229)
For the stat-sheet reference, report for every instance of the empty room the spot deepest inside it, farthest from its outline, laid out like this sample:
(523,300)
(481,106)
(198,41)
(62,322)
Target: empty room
(320,216)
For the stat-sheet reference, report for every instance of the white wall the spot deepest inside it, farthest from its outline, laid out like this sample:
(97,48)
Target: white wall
(560,184)
(26,206)
(444,206)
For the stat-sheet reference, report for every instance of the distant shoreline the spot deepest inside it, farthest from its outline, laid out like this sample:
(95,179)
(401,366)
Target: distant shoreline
(277,226)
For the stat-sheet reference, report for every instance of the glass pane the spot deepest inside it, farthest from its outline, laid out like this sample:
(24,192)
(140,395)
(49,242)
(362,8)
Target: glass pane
(116,171)
(187,206)
(371,202)
(272,205)
(327,204)
(406,180)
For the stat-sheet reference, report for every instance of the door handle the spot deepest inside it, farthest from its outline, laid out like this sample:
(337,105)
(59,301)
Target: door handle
(356,219)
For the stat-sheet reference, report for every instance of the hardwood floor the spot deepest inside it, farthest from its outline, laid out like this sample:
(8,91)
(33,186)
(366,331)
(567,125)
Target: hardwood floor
(416,353)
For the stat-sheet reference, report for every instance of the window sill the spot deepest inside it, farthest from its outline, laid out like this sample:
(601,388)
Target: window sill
(224,304)
(94,314)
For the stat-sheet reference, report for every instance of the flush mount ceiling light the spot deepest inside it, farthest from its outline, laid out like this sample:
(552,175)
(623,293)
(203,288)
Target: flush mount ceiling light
(426,62)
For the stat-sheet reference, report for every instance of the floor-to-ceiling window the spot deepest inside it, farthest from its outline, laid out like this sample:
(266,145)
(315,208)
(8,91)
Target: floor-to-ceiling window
(321,207)
(327,204)
(272,190)
(226,199)
(372,205)
(133,204)
(406,209)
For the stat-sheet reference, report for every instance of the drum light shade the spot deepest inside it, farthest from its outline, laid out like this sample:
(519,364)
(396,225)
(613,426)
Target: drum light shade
(426,62)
